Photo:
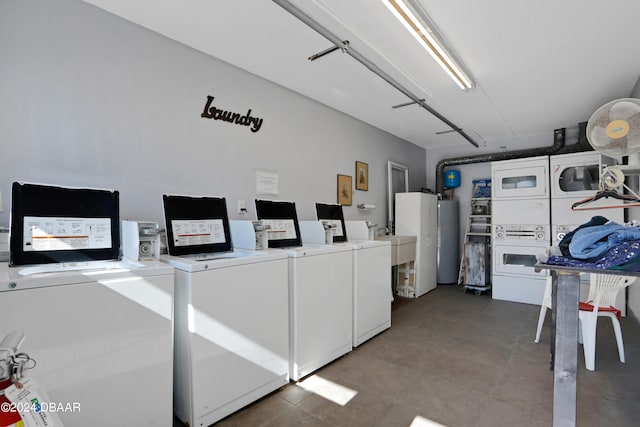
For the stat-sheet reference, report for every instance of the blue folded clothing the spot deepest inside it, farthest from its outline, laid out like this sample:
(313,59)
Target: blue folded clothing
(566,240)
(593,242)
(625,256)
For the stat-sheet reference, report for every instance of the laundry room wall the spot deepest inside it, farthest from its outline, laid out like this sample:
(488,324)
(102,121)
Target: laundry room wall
(89,99)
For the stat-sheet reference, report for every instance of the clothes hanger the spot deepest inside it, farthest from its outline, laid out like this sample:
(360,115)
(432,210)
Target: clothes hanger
(631,199)
(611,179)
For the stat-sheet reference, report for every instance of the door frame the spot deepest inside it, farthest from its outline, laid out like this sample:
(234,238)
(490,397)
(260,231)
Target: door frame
(391,166)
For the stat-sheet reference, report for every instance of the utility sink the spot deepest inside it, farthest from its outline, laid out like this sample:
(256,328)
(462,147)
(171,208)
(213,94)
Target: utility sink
(403,248)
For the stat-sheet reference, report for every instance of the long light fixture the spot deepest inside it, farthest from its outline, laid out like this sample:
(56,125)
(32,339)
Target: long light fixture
(353,52)
(424,31)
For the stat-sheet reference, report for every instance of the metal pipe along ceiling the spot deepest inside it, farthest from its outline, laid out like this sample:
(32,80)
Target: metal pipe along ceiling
(558,147)
(370,65)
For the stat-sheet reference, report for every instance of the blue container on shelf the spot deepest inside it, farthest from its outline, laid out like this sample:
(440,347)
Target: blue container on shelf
(452,179)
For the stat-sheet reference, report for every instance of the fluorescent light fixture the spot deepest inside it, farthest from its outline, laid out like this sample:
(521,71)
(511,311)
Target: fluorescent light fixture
(424,31)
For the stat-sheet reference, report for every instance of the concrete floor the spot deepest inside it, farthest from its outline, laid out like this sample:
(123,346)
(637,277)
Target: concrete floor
(457,359)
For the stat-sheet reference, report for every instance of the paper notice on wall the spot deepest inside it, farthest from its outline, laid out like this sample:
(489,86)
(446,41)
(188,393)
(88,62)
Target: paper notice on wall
(56,234)
(267,182)
(197,232)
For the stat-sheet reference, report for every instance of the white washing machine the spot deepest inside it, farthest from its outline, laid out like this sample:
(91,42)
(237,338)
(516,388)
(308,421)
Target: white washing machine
(321,306)
(320,299)
(101,338)
(371,281)
(372,288)
(320,291)
(231,332)
(231,313)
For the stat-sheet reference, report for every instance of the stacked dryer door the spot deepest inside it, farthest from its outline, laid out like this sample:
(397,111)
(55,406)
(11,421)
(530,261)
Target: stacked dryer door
(521,227)
(575,177)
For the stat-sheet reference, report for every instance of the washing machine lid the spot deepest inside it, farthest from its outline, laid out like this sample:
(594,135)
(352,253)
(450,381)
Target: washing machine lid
(282,219)
(358,229)
(353,244)
(332,213)
(311,250)
(45,275)
(52,224)
(243,234)
(204,262)
(196,225)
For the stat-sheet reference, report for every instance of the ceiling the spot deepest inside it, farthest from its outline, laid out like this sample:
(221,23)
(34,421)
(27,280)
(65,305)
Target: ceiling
(537,65)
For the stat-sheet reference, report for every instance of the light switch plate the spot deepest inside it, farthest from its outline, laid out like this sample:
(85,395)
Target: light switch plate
(241,207)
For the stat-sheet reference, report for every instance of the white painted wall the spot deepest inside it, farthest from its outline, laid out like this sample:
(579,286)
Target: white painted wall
(88,99)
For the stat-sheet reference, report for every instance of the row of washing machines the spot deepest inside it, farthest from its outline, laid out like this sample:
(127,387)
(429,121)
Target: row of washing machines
(230,326)
(247,324)
(531,205)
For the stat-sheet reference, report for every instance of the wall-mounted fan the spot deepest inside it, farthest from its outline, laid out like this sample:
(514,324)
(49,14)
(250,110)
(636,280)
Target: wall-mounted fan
(614,129)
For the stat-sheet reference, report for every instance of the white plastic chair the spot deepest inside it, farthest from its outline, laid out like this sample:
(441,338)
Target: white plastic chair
(602,296)
(603,291)
(546,304)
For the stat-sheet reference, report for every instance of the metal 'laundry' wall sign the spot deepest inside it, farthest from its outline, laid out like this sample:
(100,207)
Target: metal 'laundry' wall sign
(212,112)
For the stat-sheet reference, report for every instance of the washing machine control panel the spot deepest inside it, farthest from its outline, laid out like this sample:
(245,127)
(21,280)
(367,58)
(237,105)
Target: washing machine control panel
(521,232)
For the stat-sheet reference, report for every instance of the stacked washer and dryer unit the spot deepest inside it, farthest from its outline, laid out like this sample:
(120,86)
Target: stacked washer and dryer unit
(532,201)
(575,177)
(521,227)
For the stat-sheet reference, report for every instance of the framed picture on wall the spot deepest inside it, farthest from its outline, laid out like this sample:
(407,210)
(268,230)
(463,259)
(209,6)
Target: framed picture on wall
(345,190)
(362,176)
